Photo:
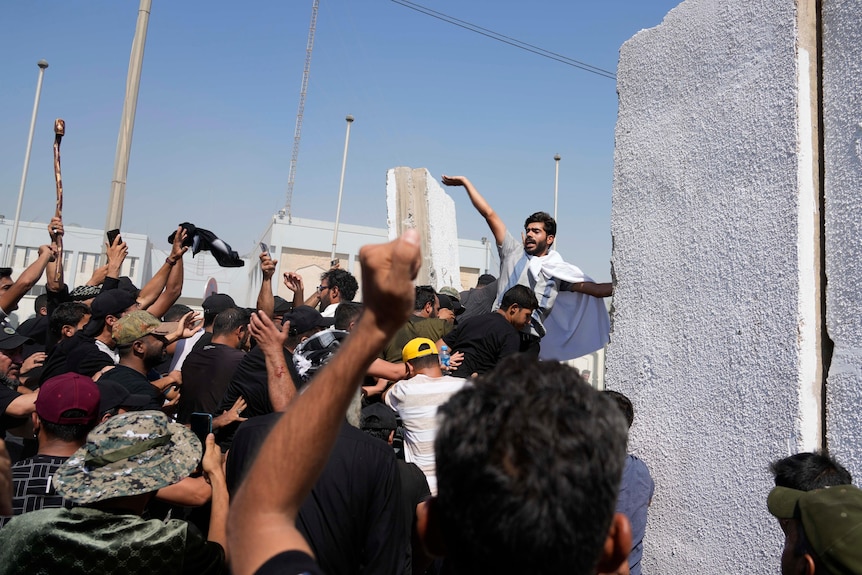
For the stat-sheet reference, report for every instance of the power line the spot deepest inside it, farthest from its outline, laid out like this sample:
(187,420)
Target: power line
(507,39)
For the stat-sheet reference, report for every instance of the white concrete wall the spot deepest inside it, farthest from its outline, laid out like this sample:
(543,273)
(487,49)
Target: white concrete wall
(715,317)
(415,199)
(842,114)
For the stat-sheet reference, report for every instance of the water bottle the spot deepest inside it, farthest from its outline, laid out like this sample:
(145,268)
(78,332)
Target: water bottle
(444,357)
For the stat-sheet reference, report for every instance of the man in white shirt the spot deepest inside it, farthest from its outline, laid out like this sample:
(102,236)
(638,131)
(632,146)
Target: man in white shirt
(335,287)
(416,401)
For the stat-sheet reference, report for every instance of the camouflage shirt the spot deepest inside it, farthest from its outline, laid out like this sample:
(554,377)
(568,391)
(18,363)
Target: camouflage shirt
(83,540)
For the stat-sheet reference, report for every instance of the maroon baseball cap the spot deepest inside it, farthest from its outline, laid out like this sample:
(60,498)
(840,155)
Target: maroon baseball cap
(68,391)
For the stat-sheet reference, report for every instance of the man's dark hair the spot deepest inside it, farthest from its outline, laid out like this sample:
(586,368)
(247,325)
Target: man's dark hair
(624,403)
(521,295)
(229,320)
(345,313)
(425,361)
(176,312)
(529,461)
(809,471)
(40,302)
(67,313)
(424,296)
(543,218)
(344,281)
(5,272)
(72,432)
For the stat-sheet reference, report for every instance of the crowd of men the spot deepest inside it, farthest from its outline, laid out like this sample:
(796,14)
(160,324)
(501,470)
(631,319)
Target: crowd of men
(338,437)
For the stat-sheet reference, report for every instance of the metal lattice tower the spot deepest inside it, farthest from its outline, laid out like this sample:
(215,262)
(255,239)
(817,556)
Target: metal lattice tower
(298,132)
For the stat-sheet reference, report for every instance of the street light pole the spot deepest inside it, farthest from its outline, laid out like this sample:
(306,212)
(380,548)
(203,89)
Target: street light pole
(349,119)
(7,252)
(114,218)
(556,181)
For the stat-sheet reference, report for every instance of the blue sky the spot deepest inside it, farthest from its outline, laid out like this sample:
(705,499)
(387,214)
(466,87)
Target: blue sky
(219,92)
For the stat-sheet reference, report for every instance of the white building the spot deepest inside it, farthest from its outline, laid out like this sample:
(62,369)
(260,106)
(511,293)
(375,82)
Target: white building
(301,245)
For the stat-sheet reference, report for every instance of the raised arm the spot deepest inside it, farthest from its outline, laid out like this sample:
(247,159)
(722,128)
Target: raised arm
(154,288)
(54,280)
(593,289)
(214,473)
(293,282)
(263,517)
(498,228)
(28,278)
(265,299)
(176,276)
(116,253)
(271,342)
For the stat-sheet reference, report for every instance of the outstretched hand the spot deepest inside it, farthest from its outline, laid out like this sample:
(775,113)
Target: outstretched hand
(454,180)
(293,282)
(177,247)
(187,326)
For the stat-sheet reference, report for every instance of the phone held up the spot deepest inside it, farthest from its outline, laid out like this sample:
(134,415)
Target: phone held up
(112,235)
(202,425)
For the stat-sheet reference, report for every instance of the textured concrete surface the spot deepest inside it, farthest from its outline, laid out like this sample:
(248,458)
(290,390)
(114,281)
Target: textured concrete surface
(714,318)
(414,199)
(842,119)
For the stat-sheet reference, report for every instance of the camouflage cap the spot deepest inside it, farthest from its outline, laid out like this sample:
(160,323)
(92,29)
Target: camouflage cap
(129,454)
(449,291)
(137,324)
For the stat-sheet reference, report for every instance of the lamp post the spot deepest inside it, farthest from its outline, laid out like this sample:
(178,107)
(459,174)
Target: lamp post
(114,217)
(349,120)
(556,181)
(7,252)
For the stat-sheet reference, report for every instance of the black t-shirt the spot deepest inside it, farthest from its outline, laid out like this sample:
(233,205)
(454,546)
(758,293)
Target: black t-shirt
(353,518)
(414,490)
(205,339)
(137,383)
(77,354)
(484,340)
(7,396)
(478,301)
(290,563)
(250,381)
(206,375)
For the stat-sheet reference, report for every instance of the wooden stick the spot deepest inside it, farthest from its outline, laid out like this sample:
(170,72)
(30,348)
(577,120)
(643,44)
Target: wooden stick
(59,132)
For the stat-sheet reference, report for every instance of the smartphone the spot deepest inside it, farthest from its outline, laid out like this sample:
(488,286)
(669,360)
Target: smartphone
(202,425)
(264,248)
(333,264)
(112,235)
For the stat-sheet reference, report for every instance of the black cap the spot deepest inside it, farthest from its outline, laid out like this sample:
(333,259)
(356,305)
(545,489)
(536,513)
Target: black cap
(377,416)
(11,339)
(217,303)
(282,306)
(448,302)
(112,302)
(114,395)
(305,318)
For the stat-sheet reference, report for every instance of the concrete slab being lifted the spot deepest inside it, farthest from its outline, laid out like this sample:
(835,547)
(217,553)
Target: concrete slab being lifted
(414,199)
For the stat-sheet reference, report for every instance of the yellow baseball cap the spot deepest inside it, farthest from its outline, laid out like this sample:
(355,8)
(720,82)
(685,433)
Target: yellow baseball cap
(418,347)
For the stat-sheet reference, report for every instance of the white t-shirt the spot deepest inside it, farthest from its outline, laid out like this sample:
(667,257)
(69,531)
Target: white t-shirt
(416,401)
(330,310)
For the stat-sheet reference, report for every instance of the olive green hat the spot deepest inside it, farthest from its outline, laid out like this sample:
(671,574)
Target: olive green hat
(832,520)
(129,454)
